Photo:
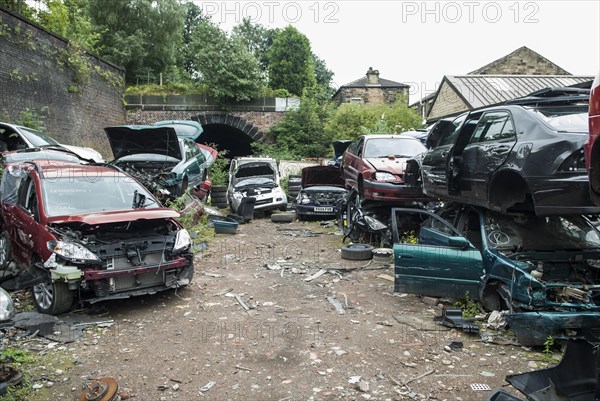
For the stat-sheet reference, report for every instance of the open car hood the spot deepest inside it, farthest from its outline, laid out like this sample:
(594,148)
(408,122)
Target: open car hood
(255,169)
(321,176)
(135,139)
(183,128)
(339,147)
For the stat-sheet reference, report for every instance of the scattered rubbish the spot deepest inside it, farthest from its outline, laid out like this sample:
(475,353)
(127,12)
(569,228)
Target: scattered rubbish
(354,379)
(480,387)
(223,292)
(338,306)
(9,375)
(455,345)
(239,299)
(430,301)
(314,276)
(225,227)
(215,275)
(384,323)
(48,326)
(386,277)
(104,389)
(406,383)
(273,266)
(501,395)
(207,387)
(452,317)
(485,373)
(243,368)
(362,386)
(496,320)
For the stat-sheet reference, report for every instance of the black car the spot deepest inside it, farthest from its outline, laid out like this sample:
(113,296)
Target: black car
(525,156)
(321,190)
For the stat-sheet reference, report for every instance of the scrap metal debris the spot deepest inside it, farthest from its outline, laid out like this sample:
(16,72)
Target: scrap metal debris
(337,305)
(241,302)
(314,276)
(104,389)
(452,317)
(206,387)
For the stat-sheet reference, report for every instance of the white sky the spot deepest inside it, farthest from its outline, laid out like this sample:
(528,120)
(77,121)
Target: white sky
(418,42)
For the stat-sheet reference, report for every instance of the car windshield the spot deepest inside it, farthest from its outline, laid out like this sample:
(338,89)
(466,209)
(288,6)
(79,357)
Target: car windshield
(80,195)
(530,232)
(564,118)
(36,138)
(397,147)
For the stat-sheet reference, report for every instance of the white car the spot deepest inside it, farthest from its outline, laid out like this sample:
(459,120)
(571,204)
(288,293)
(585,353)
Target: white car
(256,177)
(15,137)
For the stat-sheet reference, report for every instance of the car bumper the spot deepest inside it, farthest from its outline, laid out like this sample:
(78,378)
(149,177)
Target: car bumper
(392,192)
(533,328)
(569,194)
(263,202)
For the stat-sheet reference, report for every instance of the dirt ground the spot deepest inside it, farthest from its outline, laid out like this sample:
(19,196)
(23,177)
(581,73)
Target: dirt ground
(290,344)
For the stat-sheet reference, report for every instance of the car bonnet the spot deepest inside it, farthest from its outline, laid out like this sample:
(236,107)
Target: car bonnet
(136,139)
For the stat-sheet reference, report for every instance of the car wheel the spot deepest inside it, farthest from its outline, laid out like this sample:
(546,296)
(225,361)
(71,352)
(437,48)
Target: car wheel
(52,298)
(5,250)
(357,252)
(282,217)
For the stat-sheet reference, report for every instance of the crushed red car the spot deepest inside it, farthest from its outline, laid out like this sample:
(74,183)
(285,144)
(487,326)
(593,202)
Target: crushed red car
(374,166)
(88,231)
(592,146)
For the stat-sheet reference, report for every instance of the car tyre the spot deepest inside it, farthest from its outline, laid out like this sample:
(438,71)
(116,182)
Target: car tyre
(282,217)
(5,250)
(357,252)
(52,298)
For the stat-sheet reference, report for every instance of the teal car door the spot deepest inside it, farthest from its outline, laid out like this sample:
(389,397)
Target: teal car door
(443,264)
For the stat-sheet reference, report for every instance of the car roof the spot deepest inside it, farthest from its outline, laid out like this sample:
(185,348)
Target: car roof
(400,136)
(63,169)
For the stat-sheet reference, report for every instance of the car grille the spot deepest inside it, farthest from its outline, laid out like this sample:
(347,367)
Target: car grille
(261,191)
(264,201)
(138,281)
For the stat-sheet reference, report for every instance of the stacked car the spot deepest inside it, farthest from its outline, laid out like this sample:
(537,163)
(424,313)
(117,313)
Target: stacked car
(517,230)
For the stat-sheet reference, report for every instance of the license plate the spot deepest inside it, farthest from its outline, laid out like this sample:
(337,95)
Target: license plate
(323,209)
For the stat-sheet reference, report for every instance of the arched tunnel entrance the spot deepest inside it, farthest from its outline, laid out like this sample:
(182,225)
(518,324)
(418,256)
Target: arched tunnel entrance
(228,132)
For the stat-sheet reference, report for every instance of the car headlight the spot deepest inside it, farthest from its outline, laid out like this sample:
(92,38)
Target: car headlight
(237,195)
(383,176)
(72,251)
(182,241)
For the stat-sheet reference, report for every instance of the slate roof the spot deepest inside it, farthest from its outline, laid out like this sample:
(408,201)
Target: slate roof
(486,90)
(383,83)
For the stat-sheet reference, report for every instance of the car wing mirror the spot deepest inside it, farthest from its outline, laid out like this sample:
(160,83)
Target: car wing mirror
(458,242)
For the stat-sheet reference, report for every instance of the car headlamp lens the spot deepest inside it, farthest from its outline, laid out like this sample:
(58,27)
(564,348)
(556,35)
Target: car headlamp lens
(72,251)
(383,176)
(182,241)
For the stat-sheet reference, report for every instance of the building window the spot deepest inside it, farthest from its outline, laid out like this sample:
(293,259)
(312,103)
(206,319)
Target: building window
(356,100)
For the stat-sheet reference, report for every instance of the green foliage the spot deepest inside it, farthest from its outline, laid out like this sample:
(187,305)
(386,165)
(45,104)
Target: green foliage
(168,89)
(32,118)
(69,18)
(144,36)
(409,237)
(291,62)
(257,40)
(218,174)
(549,344)
(301,133)
(353,119)
(223,64)
(470,308)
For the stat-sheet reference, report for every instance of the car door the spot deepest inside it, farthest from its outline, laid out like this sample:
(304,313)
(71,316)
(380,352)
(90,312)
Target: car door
(24,223)
(352,162)
(443,264)
(191,166)
(433,167)
(485,151)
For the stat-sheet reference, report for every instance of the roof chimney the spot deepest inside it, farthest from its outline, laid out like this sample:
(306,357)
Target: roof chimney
(373,77)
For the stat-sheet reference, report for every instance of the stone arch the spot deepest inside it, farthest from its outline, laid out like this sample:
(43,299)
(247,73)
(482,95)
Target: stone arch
(228,132)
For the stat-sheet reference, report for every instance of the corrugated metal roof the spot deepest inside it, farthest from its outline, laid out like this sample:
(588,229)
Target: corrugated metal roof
(486,90)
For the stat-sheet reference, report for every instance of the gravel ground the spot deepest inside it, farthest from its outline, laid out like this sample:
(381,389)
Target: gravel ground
(291,344)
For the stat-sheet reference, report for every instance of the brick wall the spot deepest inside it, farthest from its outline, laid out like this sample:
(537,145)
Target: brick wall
(259,119)
(522,61)
(447,103)
(35,75)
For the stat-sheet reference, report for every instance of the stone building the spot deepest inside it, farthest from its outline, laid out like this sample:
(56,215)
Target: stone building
(515,75)
(371,89)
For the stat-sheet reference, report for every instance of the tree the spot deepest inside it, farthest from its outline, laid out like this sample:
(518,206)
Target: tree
(141,35)
(301,132)
(69,18)
(257,39)
(323,75)
(223,64)
(351,120)
(291,64)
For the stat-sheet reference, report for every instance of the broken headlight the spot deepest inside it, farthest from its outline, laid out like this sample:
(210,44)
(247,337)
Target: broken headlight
(305,199)
(384,176)
(72,251)
(182,241)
